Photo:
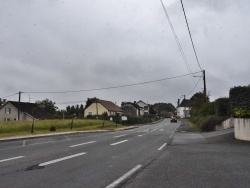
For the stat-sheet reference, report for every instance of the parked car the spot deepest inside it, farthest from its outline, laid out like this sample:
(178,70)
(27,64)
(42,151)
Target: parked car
(173,119)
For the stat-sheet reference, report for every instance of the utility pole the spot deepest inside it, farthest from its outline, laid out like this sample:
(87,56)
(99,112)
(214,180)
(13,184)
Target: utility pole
(18,118)
(204,80)
(184,101)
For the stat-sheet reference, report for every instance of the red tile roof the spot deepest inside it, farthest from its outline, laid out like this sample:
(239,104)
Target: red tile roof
(110,106)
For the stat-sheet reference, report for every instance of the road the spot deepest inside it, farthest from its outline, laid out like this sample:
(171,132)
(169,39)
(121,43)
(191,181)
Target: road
(82,160)
(157,155)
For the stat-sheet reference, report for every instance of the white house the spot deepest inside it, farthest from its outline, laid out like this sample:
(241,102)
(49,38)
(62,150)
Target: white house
(27,111)
(144,108)
(184,108)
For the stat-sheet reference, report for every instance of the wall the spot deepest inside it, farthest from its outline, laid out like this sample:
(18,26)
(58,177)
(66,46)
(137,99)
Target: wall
(227,124)
(12,116)
(93,107)
(242,129)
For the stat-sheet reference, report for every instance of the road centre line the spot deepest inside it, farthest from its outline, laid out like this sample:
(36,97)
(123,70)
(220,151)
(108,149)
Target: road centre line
(125,176)
(9,159)
(82,144)
(171,136)
(41,143)
(61,159)
(119,136)
(160,148)
(118,142)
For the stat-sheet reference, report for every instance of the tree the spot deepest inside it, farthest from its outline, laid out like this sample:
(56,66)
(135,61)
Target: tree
(90,101)
(48,106)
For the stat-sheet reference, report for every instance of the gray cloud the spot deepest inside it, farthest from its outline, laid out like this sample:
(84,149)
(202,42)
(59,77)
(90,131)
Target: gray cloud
(73,45)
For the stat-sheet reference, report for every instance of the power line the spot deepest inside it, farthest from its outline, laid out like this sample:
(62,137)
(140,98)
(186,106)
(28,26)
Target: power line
(9,95)
(194,87)
(177,40)
(113,87)
(190,35)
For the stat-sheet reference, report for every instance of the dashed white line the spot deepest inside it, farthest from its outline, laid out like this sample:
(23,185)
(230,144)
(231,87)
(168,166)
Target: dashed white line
(41,143)
(162,130)
(125,176)
(118,142)
(61,159)
(171,136)
(82,144)
(119,136)
(9,159)
(140,135)
(160,148)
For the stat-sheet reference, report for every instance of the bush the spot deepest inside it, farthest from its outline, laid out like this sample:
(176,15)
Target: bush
(241,113)
(209,123)
(222,107)
(240,97)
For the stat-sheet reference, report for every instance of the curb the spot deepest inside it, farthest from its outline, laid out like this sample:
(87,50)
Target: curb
(61,133)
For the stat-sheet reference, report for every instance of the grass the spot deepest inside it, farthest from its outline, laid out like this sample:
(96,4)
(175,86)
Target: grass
(14,128)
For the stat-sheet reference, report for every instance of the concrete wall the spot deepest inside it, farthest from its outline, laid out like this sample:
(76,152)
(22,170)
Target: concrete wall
(227,124)
(242,129)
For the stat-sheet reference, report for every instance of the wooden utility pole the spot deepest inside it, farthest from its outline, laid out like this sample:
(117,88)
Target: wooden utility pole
(18,118)
(204,80)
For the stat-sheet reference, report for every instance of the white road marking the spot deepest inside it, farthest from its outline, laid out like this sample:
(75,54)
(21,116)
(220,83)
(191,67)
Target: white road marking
(171,136)
(162,130)
(23,142)
(141,135)
(118,142)
(41,143)
(119,136)
(173,132)
(61,159)
(82,144)
(160,148)
(125,176)
(13,158)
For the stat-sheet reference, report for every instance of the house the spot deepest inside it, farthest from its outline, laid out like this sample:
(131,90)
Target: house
(98,107)
(27,111)
(130,109)
(184,108)
(144,108)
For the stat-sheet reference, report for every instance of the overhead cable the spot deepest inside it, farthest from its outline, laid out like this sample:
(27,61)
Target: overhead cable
(190,35)
(113,87)
(177,41)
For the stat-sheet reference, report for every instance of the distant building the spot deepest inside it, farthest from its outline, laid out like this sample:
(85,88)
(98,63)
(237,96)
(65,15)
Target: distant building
(130,109)
(27,111)
(183,109)
(99,107)
(144,108)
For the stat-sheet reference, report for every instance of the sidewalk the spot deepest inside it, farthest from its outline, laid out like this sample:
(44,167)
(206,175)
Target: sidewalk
(185,126)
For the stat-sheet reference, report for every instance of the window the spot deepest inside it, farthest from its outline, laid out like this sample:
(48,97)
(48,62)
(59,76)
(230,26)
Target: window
(7,110)
(6,119)
(90,113)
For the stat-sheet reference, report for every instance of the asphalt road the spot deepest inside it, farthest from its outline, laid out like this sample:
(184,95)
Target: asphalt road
(83,160)
(158,155)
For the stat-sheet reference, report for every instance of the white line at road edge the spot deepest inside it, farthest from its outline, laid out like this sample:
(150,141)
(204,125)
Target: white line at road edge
(82,144)
(13,158)
(162,146)
(61,159)
(122,178)
(118,142)
(119,136)
(41,143)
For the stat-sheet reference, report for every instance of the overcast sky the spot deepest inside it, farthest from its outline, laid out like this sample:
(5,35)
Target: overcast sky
(71,45)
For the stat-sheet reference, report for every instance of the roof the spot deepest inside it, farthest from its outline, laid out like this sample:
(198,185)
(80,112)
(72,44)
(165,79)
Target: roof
(30,108)
(135,105)
(110,106)
(186,103)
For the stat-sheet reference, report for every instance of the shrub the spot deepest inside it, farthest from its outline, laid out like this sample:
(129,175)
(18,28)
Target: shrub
(241,113)
(209,123)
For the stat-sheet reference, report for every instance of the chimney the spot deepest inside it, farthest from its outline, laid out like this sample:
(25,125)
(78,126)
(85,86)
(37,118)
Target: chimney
(178,103)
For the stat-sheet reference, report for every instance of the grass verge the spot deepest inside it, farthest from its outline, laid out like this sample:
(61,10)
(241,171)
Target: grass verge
(13,128)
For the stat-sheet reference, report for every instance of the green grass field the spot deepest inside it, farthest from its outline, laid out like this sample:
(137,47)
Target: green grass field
(14,128)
